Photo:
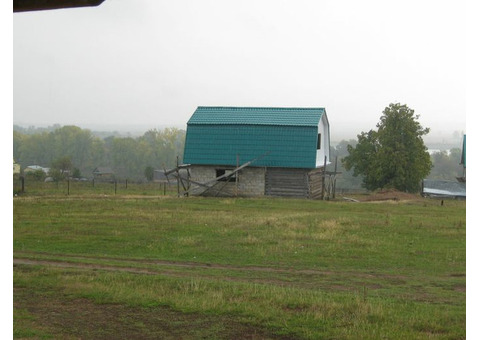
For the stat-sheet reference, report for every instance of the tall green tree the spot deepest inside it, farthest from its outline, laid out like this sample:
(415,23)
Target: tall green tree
(72,142)
(18,139)
(36,149)
(149,173)
(126,157)
(394,155)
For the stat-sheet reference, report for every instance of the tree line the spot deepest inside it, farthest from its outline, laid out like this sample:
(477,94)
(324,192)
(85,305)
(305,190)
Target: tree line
(392,156)
(80,151)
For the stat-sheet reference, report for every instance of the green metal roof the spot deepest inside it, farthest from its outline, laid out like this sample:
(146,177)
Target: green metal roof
(281,137)
(257,116)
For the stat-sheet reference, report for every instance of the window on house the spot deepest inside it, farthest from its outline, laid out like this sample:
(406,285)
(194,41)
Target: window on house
(221,172)
(319,141)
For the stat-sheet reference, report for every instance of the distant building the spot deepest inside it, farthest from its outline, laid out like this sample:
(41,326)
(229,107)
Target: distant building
(159,176)
(256,151)
(32,168)
(103,174)
(441,188)
(16,167)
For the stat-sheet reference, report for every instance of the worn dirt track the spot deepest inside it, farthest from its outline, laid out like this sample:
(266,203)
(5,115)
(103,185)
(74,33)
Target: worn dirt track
(179,269)
(287,277)
(82,261)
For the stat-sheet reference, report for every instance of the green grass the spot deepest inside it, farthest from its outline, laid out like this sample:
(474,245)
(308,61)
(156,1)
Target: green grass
(296,268)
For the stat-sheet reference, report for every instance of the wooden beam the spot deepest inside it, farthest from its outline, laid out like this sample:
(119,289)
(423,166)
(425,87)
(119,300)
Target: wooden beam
(165,173)
(210,184)
(212,187)
(335,178)
(181,166)
(234,171)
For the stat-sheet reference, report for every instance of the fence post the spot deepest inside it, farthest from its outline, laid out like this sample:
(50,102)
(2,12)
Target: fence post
(236,177)
(164,188)
(323,177)
(68,186)
(178,180)
(23,183)
(335,178)
(115,187)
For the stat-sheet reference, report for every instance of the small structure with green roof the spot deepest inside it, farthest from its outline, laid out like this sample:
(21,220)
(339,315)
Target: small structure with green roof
(285,149)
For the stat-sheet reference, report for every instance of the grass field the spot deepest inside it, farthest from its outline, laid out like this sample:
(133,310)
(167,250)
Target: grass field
(121,266)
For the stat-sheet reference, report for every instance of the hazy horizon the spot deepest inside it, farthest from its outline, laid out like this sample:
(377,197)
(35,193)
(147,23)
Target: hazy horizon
(132,65)
(434,137)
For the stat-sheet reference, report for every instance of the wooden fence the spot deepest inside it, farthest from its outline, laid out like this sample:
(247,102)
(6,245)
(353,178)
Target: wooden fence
(26,186)
(31,187)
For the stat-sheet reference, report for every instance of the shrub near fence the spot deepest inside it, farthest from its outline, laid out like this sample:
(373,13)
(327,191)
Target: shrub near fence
(73,187)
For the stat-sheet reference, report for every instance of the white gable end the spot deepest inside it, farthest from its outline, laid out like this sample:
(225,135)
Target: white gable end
(323,142)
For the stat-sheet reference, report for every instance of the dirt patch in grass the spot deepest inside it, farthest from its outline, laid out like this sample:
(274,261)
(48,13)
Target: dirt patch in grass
(392,195)
(387,195)
(61,317)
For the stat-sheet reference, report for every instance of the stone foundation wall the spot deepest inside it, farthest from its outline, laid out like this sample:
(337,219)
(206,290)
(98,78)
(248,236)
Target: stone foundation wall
(251,181)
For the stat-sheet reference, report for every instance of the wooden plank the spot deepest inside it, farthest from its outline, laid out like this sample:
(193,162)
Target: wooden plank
(181,166)
(286,182)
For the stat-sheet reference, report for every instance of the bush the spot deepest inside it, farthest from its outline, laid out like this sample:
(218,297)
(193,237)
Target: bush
(37,175)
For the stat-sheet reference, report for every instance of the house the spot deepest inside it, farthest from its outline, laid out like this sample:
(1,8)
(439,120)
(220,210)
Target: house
(444,189)
(448,189)
(103,174)
(33,168)
(16,167)
(256,151)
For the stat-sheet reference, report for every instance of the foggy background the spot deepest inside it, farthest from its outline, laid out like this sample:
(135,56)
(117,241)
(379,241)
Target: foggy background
(136,65)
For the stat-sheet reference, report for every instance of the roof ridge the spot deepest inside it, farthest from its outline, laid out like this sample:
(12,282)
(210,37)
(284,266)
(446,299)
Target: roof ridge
(241,115)
(262,107)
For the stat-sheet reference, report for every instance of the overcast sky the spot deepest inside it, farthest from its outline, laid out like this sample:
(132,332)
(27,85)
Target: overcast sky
(150,63)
